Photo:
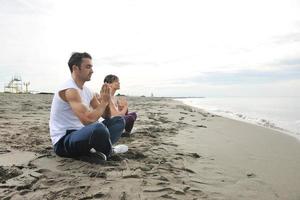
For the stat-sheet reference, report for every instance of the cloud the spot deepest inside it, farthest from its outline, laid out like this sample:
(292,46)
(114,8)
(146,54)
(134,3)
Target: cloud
(28,7)
(171,44)
(291,62)
(116,62)
(288,38)
(242,77)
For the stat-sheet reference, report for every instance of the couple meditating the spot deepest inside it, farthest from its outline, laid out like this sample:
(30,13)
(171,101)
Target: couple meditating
(83,123)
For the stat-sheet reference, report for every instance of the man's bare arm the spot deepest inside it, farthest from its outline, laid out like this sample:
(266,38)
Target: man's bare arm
(85,115)
(96,101)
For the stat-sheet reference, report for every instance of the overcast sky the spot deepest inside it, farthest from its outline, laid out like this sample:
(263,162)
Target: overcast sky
(165,47)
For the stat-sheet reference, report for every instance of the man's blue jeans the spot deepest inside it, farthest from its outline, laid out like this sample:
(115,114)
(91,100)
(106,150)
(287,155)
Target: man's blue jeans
(99,136)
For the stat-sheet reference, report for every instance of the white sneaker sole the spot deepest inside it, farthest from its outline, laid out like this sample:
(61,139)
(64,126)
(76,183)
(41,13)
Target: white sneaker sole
(121,148)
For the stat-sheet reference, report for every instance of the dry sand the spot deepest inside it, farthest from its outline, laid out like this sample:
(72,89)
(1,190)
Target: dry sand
(177,152)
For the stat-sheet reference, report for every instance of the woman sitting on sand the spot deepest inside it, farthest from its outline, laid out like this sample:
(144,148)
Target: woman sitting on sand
(121,104)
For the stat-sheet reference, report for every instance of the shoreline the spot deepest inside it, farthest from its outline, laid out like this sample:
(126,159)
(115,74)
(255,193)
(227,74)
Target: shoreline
(238,119)
(177,152)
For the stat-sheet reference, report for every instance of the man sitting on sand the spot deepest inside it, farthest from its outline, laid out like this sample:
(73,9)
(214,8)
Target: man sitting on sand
(120,104)
(74,127)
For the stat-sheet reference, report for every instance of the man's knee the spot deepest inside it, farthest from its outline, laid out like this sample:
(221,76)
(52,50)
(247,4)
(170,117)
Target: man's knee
(118,120)
(100,127)
(101,131)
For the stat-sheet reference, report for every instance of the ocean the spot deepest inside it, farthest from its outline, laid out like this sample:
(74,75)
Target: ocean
(280,113)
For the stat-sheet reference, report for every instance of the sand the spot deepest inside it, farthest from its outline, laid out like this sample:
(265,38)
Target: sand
(177,152)
(241,160)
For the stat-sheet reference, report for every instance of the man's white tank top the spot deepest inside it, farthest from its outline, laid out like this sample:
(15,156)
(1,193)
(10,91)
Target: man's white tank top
(62,117)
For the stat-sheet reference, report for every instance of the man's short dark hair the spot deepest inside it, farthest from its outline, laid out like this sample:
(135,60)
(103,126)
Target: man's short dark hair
(76,59)
(110,78)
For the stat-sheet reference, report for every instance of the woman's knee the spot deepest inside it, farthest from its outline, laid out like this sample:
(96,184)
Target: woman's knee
(134,115)
(129,120)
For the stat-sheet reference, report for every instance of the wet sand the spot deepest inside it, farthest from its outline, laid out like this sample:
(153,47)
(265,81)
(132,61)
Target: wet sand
(177,152)
(241,160)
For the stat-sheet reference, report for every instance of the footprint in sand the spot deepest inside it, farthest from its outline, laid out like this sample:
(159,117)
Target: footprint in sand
(7,173)
(201,126)
(251,175)
(133,154)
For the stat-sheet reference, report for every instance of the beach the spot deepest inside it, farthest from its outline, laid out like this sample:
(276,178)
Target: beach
(176,152)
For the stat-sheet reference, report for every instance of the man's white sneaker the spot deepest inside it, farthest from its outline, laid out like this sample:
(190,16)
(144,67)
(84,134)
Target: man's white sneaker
(121,148)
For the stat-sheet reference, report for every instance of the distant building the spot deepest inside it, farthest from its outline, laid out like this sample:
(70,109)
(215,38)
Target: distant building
(16,85)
